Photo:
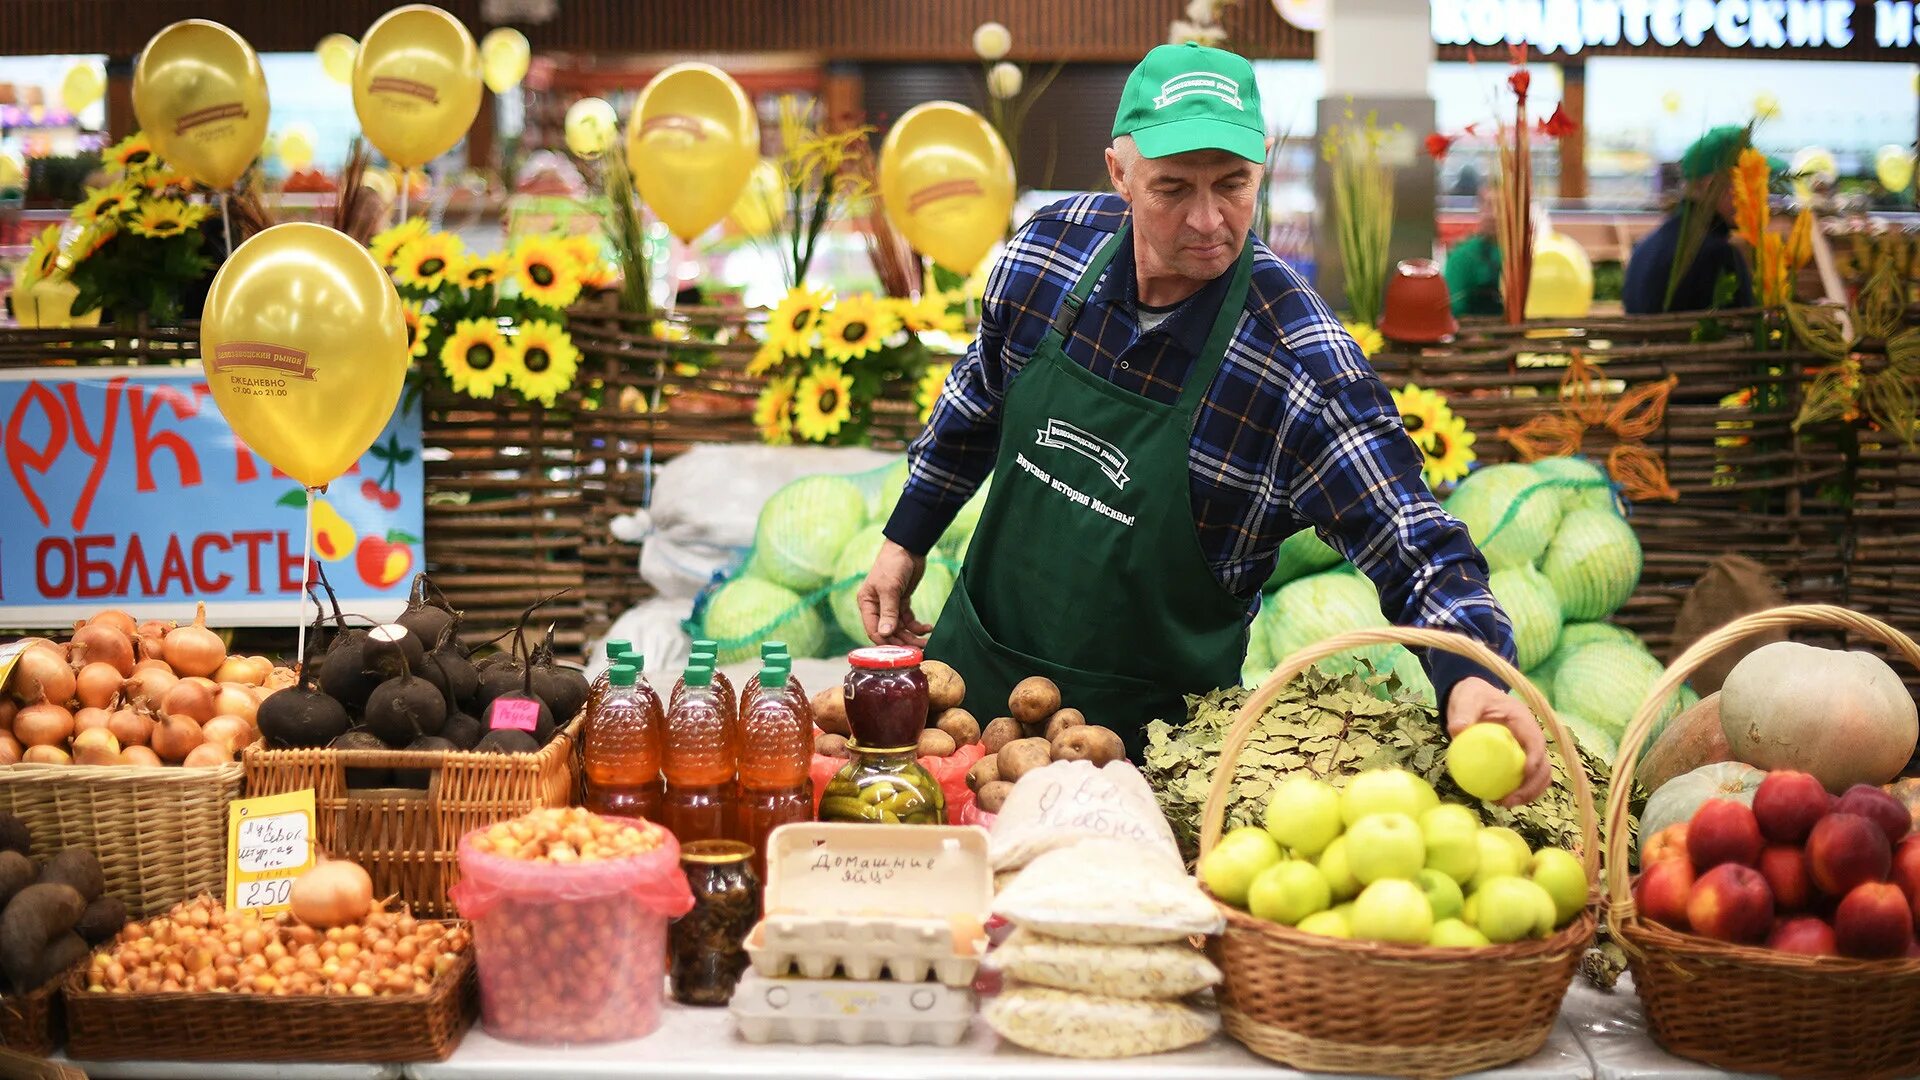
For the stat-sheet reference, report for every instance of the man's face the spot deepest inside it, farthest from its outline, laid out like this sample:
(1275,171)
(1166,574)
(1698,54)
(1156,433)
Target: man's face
(1191,211)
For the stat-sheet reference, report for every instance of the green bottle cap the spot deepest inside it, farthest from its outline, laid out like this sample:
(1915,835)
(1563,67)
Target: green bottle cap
(622,675)
(706,645)
(699,675)
(615,648)
(773,677)
(632,659)
(782,661)
(768,648)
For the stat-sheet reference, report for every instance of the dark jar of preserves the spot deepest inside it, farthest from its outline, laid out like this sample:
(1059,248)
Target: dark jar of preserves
(886,696)
(707,945)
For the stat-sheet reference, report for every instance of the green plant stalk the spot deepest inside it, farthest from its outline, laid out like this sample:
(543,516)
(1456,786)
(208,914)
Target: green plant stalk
(626,232)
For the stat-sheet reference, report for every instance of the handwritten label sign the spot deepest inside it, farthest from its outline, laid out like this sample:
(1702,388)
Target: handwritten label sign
(870,869)
(515,713)
(919,871)
(269,843)
(126,488)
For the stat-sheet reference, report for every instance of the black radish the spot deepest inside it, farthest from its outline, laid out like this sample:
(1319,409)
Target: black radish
(343,673)
(452,672)
(462,730)
(564,689)
(420,778)
(519,708)
(362,739)
(302,715)
(406,706)
(393,650)
(428,617)
(508,741)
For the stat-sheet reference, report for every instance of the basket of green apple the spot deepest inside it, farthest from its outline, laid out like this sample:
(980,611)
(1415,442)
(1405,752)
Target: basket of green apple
(1358,915)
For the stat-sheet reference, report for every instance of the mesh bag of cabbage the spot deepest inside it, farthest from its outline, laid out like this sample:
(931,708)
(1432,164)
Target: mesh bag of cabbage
(812,547)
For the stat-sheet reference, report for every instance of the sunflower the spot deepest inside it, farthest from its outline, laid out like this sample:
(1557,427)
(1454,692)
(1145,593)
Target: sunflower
(1365,336)
(107,203)
(766,358)
(157,181)
(40,256)
(1422,411)
(825,403)
(166,218)
(932,381)
(548,361)
(427,262)
(386,246)
(477,358)
(791,326)
(133,154)
(544,268)
(419,327)
(773,412)
(930,312)
(479,271)
(856,327)
(1451,453)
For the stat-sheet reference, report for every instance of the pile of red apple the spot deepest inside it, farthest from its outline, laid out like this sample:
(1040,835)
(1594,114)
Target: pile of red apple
(1800,871)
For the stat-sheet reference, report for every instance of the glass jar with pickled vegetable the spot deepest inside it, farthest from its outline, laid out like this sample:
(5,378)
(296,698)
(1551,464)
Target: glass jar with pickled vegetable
(885,785)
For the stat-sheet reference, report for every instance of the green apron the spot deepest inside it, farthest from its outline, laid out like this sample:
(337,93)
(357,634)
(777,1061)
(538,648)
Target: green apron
(1086,566)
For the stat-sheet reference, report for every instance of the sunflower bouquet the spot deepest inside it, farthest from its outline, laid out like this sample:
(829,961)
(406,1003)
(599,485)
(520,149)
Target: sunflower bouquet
(488,323)
(827,359)
(132,247)
(1442,436)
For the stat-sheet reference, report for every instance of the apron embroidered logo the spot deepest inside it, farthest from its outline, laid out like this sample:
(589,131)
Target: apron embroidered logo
(1060,435)
(1199,82)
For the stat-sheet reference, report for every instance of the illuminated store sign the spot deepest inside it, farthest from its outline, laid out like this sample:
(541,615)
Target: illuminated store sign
(1568,26)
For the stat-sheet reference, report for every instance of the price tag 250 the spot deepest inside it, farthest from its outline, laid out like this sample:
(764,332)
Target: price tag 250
(269,843)
(270,893)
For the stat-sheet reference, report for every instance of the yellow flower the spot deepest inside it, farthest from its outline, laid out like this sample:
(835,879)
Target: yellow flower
(157,181)
(132,154)
(773,412)
(107,203)
(1365,336)
(41,255)
(545,271)
(791,326)
(824,403)
(589,264)
(427,262)
(386,246)
(930,312)
(1750,210)
(766,358)
(165,218)
(855,327)
(419,327)
(479,271)
(547,361)
(931,383)
(1423,412)
(1450,453)
(477,358)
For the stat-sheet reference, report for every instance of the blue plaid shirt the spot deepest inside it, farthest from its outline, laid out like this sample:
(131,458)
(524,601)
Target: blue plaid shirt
(1297,430)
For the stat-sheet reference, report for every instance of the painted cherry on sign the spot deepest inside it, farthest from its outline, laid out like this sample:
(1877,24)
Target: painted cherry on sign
(384,561)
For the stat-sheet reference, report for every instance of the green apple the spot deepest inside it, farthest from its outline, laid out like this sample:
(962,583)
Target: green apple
(1334,867)
(1514,841)
(1386,791)
(1288,892)
(1559,872)
(1239,857)
(1393,910)
(1507,908)
(1345,911)
(1382,846)
(1450,830)
(1487,761)
(1443,893)
(1454,934)
(1303,814)
(1326,924)
(1497,859)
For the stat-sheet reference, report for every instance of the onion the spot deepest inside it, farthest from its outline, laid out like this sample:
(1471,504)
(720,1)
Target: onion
(92,719)
(96,747)
(96,684)
(334,893)
(104,644)
(42,674)
(189,698)
(43,725)
(130,728)
(46,755)
(141,756)
(155,628)
(8,707)
(149,687)
(175,738)
(232,732)
(234,699)
(119,620)
(194,649)
(151,648)
(241,669)
(10,748)
(282,677)
(207,755)
(154,664)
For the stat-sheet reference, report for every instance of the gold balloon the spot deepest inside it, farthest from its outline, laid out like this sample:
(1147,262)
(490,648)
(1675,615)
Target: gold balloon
(947,182)
(336,52)
(295,147)
(504,56)
(591,126)
(1893,165)
(762,204)
(305,349)
(416,84)
(83,86)
(692,142)
(1561,285)
(199,93)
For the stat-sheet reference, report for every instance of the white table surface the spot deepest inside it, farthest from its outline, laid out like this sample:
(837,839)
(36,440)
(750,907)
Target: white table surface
(1612,1029)
(210,1070)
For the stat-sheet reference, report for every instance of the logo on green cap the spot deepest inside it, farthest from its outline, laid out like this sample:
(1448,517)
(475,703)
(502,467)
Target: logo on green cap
(1200,82)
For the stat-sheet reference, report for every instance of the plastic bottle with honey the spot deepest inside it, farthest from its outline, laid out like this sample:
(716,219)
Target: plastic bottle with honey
(768,651)
(699,762)
(776,749)
(599,684)
(622,748)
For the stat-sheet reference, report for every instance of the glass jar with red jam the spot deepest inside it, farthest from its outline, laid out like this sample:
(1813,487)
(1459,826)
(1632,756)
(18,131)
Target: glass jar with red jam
(886,696)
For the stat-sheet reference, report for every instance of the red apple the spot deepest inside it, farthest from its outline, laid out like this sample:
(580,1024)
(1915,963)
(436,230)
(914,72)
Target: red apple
(1906,867)
(1668,843)
(1723,831)
(1874,921)
(1785,869)
(1878,807)
(1805,935)
(1787,803)
(1662,892)
(1846,850)
(382,563)
(1732,903)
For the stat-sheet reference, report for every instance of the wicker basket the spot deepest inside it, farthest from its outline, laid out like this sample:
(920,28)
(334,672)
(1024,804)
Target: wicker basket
(1745,1008)
(31,1023)
(1325,1004)
(406,838)
(161,834)
(199,1026)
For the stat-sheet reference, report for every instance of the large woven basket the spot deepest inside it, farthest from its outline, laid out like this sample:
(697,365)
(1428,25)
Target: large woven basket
(1325,1004)
(31,1023)
(161,834)
(1746,1008)
(408,839)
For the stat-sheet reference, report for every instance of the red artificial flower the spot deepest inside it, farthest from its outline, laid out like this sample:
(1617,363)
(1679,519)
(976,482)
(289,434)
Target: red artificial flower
(1520,81)
(1438,145)
(1559,125)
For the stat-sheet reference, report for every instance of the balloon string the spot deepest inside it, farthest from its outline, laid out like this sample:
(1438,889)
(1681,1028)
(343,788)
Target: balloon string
(306,571)
(403,195)
(226,223)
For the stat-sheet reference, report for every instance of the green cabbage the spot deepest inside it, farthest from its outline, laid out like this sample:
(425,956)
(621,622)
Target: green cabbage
(1594,562)
(1317,607)
(748,610)
(1606,684)
(886,493)
(1301,554)
(1482,502)
(802,530)
(1529,601)
(1598,497)
(851,568)
(959,535)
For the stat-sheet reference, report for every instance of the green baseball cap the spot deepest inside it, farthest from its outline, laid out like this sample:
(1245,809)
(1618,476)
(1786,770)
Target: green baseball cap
(1191,97)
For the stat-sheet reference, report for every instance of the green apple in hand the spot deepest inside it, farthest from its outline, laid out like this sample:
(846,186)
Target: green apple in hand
(1289,891)
(1303,815)
(1487,761)
(1381,846)
(1239,857)
(1453,847)
(1386,791)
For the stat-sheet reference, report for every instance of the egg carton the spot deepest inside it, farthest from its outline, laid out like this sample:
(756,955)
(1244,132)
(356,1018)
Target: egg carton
(906,950)
(851,1012)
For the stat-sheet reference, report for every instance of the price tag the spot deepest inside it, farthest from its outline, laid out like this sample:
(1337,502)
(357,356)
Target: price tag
(269,843)
(515,713)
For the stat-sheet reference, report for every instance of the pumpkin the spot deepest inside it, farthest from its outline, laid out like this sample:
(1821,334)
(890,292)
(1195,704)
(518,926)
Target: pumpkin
(1845,717)
(1674,802)
(1907,790)
(1692,739)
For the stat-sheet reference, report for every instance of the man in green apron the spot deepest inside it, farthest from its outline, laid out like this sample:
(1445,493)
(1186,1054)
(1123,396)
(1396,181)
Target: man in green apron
(1164,402)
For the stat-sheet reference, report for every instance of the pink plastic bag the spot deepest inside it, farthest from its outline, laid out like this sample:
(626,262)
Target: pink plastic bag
(571,953)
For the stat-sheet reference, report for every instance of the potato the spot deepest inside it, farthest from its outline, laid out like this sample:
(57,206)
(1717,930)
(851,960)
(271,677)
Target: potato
(1022,756)
(936,743)
(16,873)
(993,796)
(1034,700)
(1002,731)
(984,772)
(1061,721)
(34,920)
(1089,743)
(830,711)
(960,724)
(945,688)
(831,746)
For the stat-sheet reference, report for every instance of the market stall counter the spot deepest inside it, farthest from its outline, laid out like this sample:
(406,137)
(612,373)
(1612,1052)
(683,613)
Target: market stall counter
(1612,1029)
